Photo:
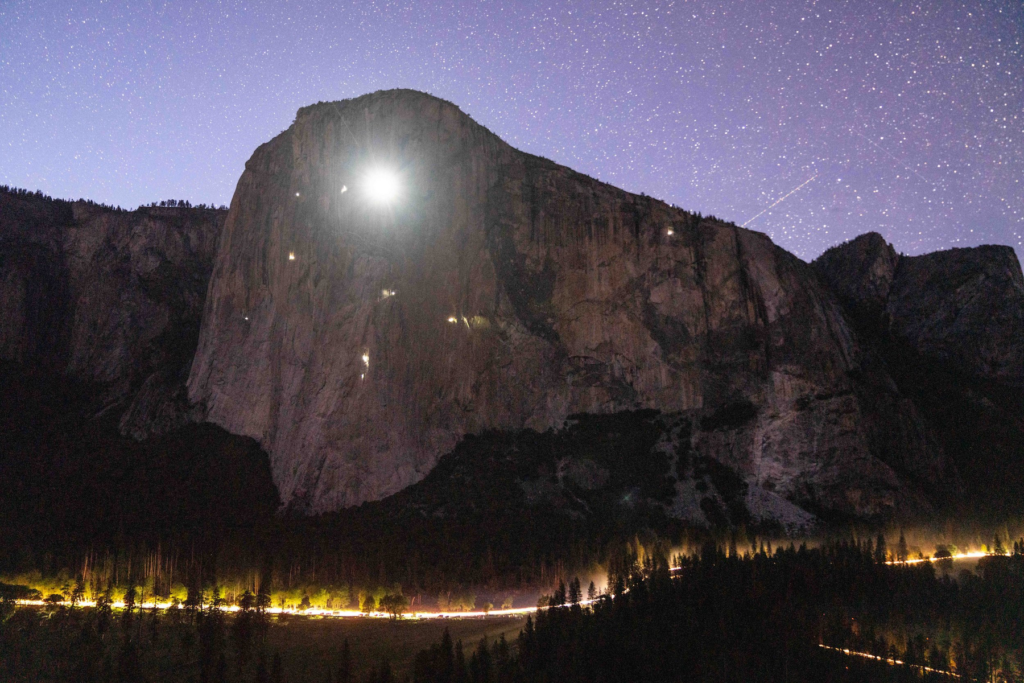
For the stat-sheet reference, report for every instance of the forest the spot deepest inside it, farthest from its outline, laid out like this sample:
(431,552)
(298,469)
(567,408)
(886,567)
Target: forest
(763,614)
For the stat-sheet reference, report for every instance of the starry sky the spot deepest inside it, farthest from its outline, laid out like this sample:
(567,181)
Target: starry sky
(810,121)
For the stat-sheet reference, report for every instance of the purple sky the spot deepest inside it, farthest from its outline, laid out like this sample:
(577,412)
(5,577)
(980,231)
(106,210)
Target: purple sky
(908,116)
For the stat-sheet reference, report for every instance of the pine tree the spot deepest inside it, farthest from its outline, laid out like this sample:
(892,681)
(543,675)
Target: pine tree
(459,675)
(78,592)
(880,549)
(902,552)
(480,663)
(558,599)
(997,546)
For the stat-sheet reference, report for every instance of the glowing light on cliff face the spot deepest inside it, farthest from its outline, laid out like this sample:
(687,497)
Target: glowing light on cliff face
(382,186)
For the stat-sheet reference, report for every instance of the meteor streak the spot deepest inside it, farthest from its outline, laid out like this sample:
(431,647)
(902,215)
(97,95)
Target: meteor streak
(780,200)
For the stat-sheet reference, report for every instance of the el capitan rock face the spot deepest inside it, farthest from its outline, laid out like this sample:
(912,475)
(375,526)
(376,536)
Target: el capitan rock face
(504,292)
(565,296)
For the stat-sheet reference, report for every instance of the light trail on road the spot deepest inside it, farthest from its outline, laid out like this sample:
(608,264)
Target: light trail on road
(960,556)
(413,615)
(317,612)
(888,660)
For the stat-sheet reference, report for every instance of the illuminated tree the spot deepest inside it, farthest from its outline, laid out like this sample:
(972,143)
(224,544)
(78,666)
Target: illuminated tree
(880,550)
(78,592)
(369,605)
(591,591)
(263,601)
(558,598)
(394,604)
(129,605)
(104,609)
(902,552)
(195,599)
(243,627)
(997,546)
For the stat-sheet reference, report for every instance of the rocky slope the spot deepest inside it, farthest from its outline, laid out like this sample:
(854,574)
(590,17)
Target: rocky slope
(358,342)
(948,327)
(964,306)
(109,297)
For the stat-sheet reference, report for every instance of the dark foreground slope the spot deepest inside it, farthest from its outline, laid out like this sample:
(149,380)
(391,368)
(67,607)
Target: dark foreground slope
(76,492)
(765,617)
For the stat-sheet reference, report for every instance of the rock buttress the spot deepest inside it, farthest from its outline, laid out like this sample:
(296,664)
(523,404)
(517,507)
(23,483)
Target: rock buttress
(358,342)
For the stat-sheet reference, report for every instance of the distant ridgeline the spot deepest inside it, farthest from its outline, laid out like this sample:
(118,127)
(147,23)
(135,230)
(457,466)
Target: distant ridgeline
(38,195)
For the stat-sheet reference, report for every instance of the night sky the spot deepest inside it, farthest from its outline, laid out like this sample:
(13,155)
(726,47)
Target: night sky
(904,118)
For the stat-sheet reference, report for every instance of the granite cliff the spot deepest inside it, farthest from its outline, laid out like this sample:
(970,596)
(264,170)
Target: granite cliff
(963,306)
(948,328)
(502,294)
(359,342)
(109,297)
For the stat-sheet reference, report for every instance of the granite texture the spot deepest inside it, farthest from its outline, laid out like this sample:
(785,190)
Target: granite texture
(565,295)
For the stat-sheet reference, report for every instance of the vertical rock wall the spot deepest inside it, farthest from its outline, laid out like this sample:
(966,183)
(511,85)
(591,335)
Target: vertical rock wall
(357,342)
(110,297)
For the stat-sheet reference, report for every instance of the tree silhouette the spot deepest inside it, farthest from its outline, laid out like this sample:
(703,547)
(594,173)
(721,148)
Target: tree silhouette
(880,550)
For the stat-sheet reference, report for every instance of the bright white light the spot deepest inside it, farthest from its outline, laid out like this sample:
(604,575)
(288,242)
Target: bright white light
(382,186)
